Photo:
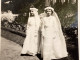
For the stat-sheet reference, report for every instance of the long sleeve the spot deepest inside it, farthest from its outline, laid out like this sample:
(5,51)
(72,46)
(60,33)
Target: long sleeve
(28,24)
(42,27)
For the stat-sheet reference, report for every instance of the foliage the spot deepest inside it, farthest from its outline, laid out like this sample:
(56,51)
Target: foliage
(25,9)
(66,12)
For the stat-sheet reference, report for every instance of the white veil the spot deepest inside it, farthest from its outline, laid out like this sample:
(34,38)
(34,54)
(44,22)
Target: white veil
(37,19)
(62,38)
(59,26)
(59,30)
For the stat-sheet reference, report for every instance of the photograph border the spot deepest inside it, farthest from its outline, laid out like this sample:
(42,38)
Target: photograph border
(78,27)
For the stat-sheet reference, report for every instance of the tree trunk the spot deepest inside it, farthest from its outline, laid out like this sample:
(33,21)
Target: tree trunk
(73,1)
(47,2)
(68,1)
(53,1)
(62,1)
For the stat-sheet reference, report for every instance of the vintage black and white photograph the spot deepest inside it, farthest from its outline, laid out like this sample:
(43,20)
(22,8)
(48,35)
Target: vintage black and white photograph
(39,30)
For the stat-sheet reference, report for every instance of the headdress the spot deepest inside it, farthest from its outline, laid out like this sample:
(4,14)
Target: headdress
(37,18)
(57,21)
(34,9)
(49,8)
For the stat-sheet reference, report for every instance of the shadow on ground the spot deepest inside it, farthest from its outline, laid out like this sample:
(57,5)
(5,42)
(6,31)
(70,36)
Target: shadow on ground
(73,53)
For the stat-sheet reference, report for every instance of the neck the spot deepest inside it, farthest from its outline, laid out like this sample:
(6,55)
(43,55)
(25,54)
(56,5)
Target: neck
(31,15)
(48,15)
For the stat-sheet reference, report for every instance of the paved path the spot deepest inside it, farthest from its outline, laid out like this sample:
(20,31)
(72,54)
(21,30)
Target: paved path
(11,51)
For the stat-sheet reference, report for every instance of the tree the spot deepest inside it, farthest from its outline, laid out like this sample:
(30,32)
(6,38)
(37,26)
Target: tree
(47,2)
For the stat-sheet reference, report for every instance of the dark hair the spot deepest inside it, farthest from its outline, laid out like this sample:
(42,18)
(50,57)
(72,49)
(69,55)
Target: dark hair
(32,6)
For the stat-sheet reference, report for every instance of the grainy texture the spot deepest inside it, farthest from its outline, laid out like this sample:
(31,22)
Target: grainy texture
(15,39)
(11,51)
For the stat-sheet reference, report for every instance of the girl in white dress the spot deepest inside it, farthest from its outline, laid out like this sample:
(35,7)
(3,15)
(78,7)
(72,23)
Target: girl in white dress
(32,39)
(53,42)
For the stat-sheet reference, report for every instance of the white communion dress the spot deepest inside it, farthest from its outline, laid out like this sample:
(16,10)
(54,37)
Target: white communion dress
(53,41)
(31,42)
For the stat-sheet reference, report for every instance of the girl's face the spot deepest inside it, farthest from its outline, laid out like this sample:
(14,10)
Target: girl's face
(49,12)
(31,13)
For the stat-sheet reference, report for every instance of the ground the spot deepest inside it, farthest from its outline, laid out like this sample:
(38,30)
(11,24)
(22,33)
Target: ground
(11,51)
(11,46)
